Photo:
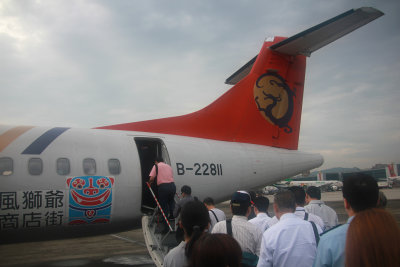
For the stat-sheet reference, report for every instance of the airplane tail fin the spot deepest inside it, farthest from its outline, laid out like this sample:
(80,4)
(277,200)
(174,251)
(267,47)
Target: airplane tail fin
(264,105)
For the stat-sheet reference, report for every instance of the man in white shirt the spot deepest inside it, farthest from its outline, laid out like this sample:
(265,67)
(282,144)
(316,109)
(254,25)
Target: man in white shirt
(300,198)
(216,215)
(300,195)
(246,234)
(291,241)
(261,209)
(318,207)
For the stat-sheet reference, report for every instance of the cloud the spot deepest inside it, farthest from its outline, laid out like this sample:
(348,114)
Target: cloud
(93,63)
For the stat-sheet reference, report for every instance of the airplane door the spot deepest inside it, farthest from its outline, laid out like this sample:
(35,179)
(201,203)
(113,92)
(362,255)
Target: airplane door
(149,149)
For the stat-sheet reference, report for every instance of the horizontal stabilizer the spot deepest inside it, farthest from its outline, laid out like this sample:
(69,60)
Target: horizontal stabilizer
(310,40)
(241,73)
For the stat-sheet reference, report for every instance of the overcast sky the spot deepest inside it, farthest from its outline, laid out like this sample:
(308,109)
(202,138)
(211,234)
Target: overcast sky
(94,63)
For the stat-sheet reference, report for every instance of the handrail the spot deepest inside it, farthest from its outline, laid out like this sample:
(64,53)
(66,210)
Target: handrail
(159,206)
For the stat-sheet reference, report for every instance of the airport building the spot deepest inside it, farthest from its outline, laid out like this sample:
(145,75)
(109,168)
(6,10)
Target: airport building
(385,175)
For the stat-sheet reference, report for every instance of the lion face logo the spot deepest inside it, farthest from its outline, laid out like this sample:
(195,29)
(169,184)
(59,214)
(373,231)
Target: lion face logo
(274,100)
(90,199)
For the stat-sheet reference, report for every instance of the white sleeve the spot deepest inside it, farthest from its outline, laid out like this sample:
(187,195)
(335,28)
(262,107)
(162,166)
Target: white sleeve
(219,227)
(266,253)
(258,241)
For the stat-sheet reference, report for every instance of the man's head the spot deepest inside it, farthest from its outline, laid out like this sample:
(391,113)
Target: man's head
(360,192)
(240,203)
(313,193)
(209,203)
(186,190)
(158,159)
(284,202)
(261,204)
(299,195)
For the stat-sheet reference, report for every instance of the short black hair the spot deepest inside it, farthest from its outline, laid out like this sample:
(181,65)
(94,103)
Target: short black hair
(285,200)
(186,189)
(240,202)
(159,159)
(209,201)
(361,191)
(261,203)
(299,194)
(314,192)
(240,210)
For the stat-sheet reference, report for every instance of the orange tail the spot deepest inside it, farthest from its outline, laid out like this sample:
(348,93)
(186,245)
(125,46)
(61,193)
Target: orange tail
(265,106)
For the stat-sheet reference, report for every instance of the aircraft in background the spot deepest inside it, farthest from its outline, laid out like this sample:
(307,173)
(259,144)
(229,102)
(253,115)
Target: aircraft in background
(64,182)
(270,190)
(392,174)
(331,185)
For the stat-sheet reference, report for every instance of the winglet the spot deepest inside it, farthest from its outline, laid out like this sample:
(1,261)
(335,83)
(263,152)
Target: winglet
(241,73)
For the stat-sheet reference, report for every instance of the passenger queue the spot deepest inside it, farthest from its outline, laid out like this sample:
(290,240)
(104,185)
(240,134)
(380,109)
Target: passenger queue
(298,235)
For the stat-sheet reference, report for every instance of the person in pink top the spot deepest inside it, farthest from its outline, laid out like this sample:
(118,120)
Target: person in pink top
(165,185)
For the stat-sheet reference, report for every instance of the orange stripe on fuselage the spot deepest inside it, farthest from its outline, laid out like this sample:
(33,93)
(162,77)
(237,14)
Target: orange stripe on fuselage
(9,136)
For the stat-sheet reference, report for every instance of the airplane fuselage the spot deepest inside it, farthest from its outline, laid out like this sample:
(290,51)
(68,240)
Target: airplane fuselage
(87,181)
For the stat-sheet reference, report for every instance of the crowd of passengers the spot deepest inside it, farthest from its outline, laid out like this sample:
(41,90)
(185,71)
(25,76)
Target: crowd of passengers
(303,232)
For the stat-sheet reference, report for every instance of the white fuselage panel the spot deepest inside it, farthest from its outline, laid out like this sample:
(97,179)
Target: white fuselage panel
(50,200)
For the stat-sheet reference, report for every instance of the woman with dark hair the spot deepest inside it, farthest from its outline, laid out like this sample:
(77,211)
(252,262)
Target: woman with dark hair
(373,239)
(194,221)
(216,250)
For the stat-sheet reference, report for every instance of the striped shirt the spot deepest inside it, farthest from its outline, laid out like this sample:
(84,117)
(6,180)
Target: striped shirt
(246,234)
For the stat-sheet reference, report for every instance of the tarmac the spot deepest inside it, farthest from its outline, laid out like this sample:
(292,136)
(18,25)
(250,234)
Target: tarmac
(128,248)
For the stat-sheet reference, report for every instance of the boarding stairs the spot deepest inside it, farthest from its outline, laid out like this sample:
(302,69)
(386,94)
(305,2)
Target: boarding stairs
(159,239)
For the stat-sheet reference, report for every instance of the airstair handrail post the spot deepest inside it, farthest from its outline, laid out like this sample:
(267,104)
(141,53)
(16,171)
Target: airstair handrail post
(159,206)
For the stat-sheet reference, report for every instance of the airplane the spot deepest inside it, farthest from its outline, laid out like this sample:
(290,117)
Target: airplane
(392,174)
(331,185)
(270,190)
(324,185)
(58,182)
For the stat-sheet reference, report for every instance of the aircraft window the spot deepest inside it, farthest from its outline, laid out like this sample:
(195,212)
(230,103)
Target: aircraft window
(114,167)
(35,166)
(6,166)
(89,166)
(63,167)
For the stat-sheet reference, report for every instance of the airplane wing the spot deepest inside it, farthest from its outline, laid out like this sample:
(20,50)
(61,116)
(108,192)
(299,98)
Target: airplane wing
(312,39)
